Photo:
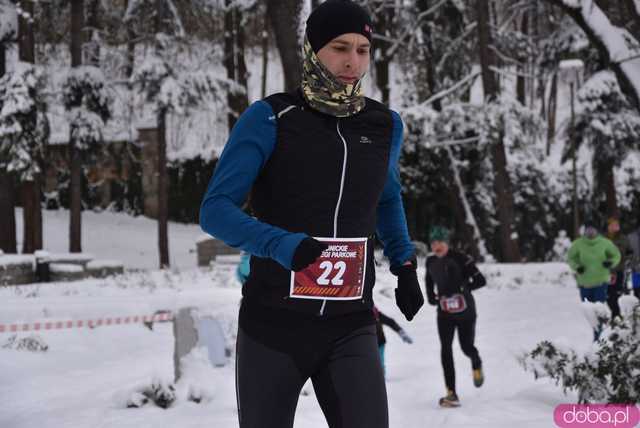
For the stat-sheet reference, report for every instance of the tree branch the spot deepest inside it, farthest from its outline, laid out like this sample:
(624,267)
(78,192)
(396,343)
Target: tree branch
(624,80)
(451,89)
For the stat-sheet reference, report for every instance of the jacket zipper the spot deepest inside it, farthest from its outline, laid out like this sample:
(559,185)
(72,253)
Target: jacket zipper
(337,210)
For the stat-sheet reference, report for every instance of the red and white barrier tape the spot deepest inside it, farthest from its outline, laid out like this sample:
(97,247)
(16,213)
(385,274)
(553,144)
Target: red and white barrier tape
(59,325)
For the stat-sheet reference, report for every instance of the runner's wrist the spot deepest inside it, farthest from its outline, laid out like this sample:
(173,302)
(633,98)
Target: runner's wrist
(409,265)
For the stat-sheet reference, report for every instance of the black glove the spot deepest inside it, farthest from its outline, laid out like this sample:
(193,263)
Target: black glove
(607,264)
(580,270)
(432,299)
(408,295)
(306,253)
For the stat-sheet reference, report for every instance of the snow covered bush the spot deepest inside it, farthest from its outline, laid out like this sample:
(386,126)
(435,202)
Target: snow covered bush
(608,373)
(33,343)
(160,392)
(561,246)
(197,376)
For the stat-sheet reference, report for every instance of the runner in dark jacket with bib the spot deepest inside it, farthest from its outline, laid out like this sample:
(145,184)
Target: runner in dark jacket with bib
(450,278)
(321,166)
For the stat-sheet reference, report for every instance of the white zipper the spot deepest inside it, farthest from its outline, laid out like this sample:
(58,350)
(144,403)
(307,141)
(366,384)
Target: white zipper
(344,171)
(337,210)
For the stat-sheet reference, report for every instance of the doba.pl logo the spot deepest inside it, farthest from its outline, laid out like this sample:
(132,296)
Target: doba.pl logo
(596,416)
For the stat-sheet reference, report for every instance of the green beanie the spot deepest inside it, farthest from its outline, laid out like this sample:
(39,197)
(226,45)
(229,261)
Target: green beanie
(439,233)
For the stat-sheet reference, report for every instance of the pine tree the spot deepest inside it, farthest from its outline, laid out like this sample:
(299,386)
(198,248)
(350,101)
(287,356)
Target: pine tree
(8,32)
(24,127)
(88,104)
(170,88)
(285,16)
(610,126)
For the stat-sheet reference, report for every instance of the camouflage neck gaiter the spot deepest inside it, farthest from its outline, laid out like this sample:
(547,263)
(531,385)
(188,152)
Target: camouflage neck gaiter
(326,93)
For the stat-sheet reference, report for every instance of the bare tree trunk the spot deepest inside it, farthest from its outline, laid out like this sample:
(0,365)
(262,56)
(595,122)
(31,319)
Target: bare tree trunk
(32,210)
(553,101)
(411,209)
(163,181)
(131,46)
(230,59)
(7,193)
(265,56)
(93,24)
(540,84)
(3,59)
(382,77)
(610,183)
(502,183)
(285,21)
(8,214)
(520,81)
(75,197)
(163,192)
(234,61)
(487,58)
(242,74)
(382,24)
(29,217)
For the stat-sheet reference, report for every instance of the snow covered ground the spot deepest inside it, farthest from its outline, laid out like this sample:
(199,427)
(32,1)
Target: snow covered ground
(81,381)
(109,235)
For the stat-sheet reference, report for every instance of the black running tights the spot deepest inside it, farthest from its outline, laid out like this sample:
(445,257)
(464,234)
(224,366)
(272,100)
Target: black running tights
(466,336)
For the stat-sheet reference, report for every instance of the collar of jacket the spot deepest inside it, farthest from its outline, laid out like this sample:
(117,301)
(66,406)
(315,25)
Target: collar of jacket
(326,93)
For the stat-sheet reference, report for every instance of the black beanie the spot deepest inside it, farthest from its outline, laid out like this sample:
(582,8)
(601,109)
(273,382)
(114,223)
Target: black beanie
(334,18)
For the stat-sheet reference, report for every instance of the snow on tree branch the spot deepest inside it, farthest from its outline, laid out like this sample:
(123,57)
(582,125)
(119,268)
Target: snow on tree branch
(470,218)
(23,125)
(605,120)
(88,103)
(134,8)
(178,90)
(8,21)
(176,17)
(623,48)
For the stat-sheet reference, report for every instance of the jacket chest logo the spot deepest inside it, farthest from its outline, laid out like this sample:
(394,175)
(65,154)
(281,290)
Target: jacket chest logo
(365,140)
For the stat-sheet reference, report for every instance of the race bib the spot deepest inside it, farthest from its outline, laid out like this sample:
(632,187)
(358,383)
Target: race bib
(453,304)
(338,274)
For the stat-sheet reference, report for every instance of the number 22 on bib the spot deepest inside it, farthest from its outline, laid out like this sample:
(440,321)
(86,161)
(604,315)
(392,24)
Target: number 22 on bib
(338,274)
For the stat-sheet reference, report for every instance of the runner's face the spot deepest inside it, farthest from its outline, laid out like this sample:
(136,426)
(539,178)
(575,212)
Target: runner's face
(614,227)
(440,248)
(346,57)
(590,232)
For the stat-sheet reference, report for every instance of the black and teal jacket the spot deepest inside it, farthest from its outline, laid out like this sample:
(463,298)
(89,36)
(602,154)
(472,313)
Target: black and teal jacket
(309,174)
(452,274)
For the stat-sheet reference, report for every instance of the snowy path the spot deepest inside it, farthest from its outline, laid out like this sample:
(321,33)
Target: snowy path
(79,382)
